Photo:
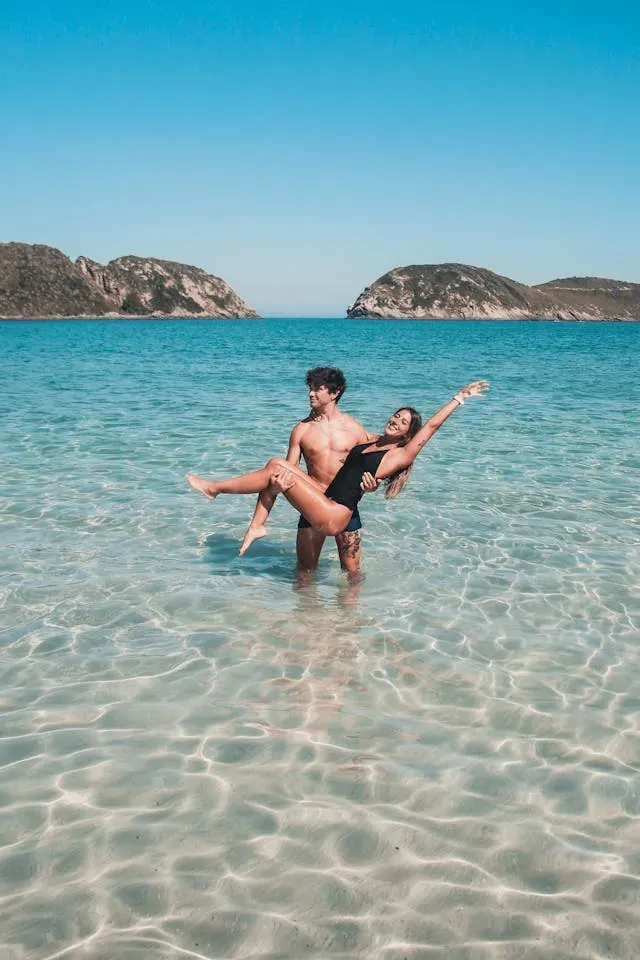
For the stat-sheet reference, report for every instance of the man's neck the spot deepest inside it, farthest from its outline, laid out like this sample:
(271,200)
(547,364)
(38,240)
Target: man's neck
(329,412)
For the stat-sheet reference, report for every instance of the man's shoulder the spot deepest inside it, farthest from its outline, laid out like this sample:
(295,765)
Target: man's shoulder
(302,425)
(301,430)
(344,420)
(350,423)
(348,418)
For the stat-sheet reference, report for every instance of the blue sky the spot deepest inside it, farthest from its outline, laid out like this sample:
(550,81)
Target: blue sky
(301,150)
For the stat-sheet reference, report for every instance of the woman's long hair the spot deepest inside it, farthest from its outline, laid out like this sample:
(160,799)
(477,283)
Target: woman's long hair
(396,481)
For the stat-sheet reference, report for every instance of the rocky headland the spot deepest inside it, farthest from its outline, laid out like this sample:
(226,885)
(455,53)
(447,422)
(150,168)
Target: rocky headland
(458,291)
(37,281)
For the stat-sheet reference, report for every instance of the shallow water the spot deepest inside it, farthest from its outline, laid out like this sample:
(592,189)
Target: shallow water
(199,758)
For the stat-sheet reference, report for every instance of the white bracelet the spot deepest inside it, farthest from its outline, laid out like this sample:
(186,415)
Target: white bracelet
(458,398)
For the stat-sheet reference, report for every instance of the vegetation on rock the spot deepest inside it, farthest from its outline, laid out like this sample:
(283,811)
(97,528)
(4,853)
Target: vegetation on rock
(40,281)
(460,291)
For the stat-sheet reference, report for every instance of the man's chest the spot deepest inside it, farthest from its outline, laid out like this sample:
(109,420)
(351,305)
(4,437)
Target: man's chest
(323,439)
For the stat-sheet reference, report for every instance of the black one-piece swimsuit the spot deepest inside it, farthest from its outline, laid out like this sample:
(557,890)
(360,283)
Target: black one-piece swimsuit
(345,486)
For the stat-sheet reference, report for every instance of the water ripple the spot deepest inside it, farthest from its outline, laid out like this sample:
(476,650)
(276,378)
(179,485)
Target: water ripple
(201,759)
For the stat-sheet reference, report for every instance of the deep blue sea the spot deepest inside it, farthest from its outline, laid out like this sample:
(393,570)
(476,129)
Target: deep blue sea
(200,758)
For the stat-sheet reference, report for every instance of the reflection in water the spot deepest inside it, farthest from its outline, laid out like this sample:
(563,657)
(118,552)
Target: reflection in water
(317,647)
(274,559)
(348,587)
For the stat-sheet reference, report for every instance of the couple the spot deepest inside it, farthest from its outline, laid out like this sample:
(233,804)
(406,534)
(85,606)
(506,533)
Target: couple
(343,461)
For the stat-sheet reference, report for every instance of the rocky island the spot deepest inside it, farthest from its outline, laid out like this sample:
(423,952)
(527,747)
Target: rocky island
(458,291)
(37,281)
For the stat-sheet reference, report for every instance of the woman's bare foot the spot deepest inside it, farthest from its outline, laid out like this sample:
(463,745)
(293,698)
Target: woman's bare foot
(204,486)
(253,533)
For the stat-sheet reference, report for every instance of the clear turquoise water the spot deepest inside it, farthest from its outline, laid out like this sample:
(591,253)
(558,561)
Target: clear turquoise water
(200,759)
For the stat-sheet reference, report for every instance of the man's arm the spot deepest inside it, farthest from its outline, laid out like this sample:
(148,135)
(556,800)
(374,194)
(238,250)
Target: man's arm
(295,452)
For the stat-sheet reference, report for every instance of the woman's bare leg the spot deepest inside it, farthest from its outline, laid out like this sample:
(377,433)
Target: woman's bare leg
(255,482)
(256,529)
(207,487)
(303,494)
(325,515)
(252,482)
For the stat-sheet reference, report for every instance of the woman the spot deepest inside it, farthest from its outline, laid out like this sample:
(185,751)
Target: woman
(389,457)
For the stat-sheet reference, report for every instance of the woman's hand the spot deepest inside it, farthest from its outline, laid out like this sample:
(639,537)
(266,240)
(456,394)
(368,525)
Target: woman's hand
(475,389)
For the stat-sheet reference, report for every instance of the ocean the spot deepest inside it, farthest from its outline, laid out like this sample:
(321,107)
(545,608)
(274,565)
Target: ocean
(202,758)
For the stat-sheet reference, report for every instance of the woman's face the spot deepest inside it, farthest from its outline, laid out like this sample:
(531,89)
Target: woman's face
(398,425)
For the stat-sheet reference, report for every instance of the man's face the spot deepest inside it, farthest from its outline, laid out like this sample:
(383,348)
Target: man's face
(320,396)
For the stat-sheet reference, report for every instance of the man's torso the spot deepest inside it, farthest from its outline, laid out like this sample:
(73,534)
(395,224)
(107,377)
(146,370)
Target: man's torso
(326,443)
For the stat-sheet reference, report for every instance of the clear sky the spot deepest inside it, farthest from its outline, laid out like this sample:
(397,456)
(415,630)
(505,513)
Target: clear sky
(300,150)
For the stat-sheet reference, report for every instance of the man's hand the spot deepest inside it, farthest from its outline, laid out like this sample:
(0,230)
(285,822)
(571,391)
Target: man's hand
(369,484)
(281,481)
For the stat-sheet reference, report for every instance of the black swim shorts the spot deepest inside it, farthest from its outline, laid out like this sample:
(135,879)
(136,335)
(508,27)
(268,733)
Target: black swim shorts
(354,524)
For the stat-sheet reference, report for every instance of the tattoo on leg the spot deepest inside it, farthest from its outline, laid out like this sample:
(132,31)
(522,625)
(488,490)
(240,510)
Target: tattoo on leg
(350,543)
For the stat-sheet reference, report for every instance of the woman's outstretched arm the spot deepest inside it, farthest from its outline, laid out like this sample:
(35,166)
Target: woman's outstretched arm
(422,437)
(404,456)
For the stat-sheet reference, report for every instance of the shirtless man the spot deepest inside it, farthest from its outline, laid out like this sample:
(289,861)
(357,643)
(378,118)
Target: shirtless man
(323,439)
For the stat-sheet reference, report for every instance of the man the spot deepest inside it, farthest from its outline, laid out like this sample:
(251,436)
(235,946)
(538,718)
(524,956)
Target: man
(323,439)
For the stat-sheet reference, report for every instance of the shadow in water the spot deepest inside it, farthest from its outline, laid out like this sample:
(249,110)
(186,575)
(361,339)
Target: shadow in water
(268,557)
(277,560)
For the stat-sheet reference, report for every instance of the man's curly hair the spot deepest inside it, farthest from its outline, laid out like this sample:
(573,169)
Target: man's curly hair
(330,377)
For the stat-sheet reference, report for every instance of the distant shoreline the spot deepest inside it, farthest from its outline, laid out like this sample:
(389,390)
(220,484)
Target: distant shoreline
(38,282)
(199,318)
(124,317)
(461,290)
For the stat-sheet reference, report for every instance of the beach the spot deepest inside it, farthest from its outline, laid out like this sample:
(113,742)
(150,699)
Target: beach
(202,758)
